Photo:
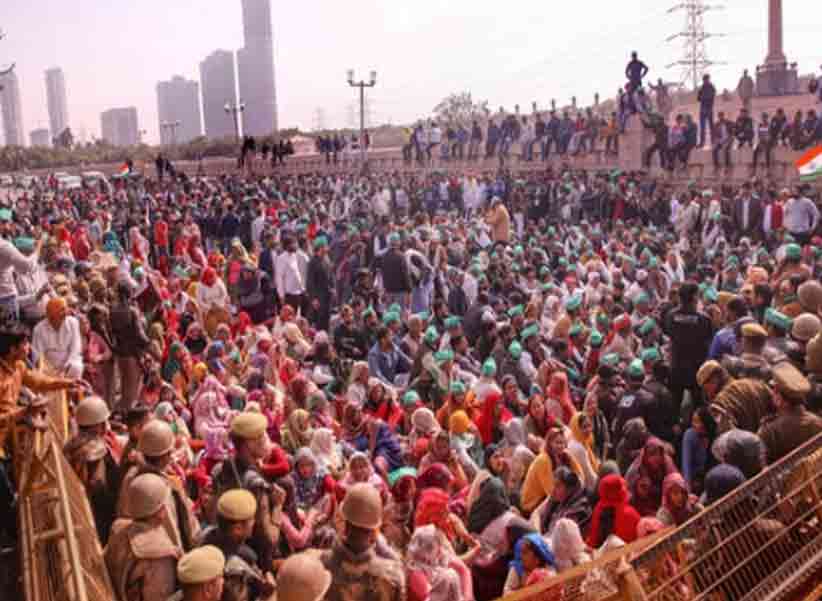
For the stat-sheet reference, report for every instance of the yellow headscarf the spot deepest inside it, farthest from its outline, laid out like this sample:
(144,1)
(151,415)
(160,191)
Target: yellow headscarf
(585,441)
(459,423)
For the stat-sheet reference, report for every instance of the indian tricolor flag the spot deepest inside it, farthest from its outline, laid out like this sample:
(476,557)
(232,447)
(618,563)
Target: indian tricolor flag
(810,164)
(124,170)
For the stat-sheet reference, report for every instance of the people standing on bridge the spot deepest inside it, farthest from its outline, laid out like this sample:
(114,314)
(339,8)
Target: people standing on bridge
(706,95)
(745,90)
(635,71)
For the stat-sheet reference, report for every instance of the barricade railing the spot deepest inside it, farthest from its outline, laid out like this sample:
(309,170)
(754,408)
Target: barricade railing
(763,541)
(61,557)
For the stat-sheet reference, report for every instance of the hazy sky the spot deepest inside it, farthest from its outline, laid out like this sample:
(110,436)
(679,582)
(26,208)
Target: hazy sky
(514,51)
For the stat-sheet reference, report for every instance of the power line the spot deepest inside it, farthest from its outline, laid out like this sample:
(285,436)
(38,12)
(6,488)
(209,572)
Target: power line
(694,59)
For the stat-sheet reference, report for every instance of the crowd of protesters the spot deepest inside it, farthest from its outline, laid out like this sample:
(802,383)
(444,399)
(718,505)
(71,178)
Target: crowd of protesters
(440,386)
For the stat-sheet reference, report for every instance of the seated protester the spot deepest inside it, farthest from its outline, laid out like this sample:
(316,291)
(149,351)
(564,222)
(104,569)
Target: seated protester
(423,427)
(466,443)
(360,471)
(678,505)
(398,519)
(568,545)
(456,401)
(568,500)
(386,361)
(364,434)
(697,459)
(581,447)
(491,503)
(539,481)
(427,568)
(58,340)
(349,339)
(327,452)
(537,422)
(297,431)
(321,411)
(314,498)
(432,509)
(533,563)
(382,404)
(440,451)
(613,514)
(646,475)
(253,293)
(492,417)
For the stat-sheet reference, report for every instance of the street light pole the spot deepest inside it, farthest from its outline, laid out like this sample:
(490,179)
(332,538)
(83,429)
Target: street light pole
(362,85)
(234,110)
(172,126)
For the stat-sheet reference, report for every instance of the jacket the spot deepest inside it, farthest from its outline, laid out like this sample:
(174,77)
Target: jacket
(395,275)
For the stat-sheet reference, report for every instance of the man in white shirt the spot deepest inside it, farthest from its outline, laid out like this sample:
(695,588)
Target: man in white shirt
(289,277)
(800,217)
(257,227)
(57,339)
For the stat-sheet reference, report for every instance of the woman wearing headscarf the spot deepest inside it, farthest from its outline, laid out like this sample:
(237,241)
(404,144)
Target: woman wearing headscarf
(297,431)
(581,448)
(568,500)
(456,401)
(537,422)
(696,447)
(613,513)
(176,369)
(371,437)
(558,402)
(314,500)
(296,346)
(440,451)
(195,339)
(491,419)
(212,299)
(533,563)
(357,389)
(327,452)
(382,404)
(99,360)
(491,502)
(646,475)
(360,471)
(568,545)
(210,408)
(423,427)
(427,568)
(398,518)
(539,481)
(678,505)
(466,443)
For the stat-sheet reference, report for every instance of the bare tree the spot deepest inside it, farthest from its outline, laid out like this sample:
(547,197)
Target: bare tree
(460,109)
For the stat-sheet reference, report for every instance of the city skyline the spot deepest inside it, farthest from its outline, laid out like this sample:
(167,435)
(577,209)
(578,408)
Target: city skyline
(512,54)
(178,110)
(255,69)
(11,109)
(218,84)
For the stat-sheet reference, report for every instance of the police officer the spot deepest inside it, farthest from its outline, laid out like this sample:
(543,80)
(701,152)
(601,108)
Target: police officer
(751,363)
(793,424)
(251,445)
(200,574)
(357,573)
(734,403)
(135,419)
(813,367)
(93,461)
(236,510)
(302,577)
(156,445)
(140,556)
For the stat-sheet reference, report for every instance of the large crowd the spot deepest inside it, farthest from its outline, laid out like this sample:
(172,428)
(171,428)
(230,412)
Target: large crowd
(443,386)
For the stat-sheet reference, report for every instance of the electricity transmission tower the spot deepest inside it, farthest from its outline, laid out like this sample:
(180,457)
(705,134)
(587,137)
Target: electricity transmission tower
(694,59)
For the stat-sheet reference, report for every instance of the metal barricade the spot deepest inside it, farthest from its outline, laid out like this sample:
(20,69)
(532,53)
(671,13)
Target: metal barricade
(60,553)
(761,541)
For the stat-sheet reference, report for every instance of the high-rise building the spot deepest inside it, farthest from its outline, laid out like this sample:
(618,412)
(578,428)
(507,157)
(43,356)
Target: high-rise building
(255,66)
(40,137)
(56,100)
(219,86)
(178,100)
(12,110)
(119,126)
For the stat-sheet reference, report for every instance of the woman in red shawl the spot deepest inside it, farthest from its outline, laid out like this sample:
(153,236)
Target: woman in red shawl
(558,402)
(80,244)
(613,514)
(647,474)
(492,417)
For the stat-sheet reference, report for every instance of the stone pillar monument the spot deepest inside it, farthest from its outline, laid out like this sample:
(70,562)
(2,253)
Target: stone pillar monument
(776,77)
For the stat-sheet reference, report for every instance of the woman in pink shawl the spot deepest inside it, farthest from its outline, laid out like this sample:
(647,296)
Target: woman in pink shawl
(558,398)
(647,474)
(210,408)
